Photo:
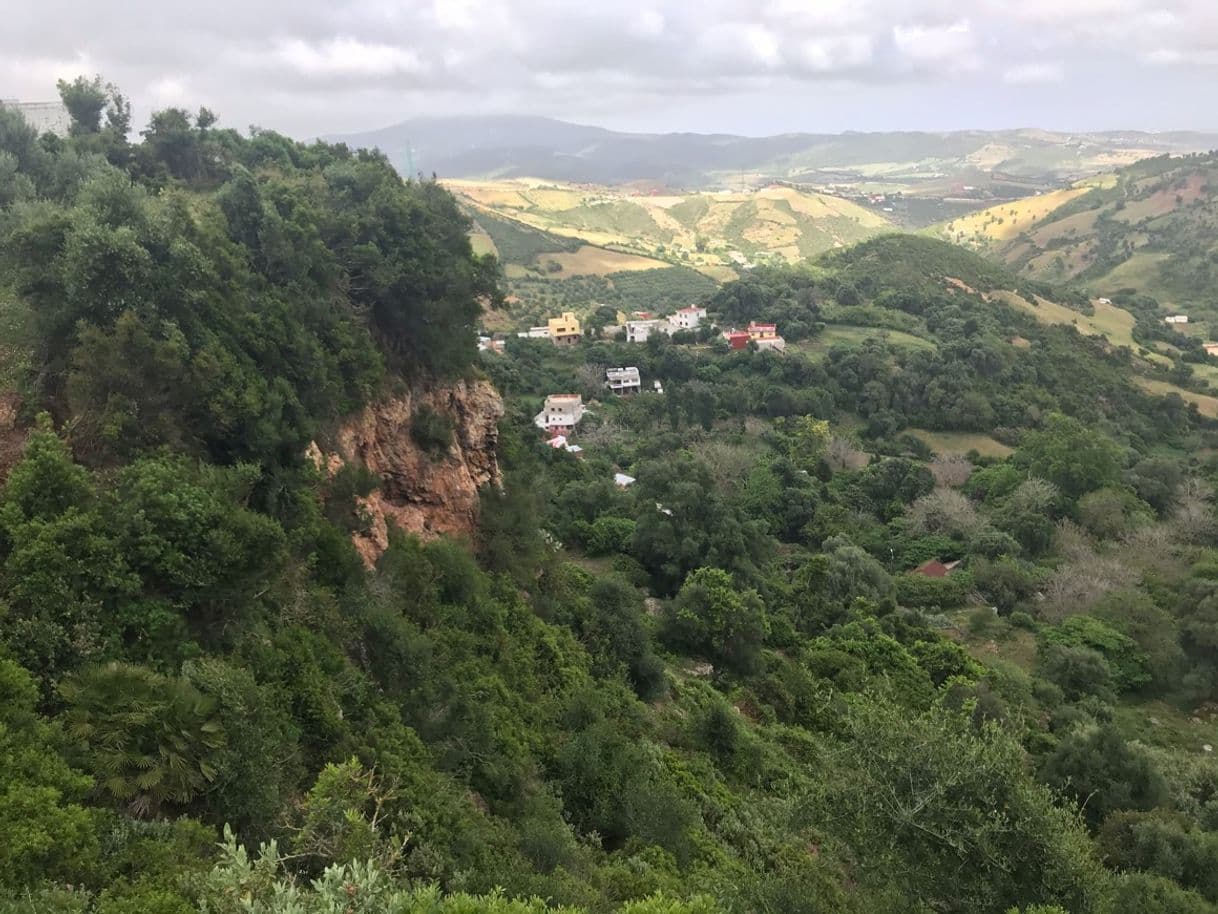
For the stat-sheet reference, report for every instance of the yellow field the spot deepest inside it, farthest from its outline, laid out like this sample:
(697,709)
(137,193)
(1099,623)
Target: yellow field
(481,242)
(1206,405)
(705,230)
(593,261)
(1017,216)
(951,444)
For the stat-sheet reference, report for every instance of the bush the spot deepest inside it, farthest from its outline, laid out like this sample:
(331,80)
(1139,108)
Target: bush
(608,535)
(431,430)
(920,592)
(1126,660)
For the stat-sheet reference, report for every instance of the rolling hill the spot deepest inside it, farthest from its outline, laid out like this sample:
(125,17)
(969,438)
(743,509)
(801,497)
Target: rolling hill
(712,232)
(577,246)
(1149,228)
(972,165)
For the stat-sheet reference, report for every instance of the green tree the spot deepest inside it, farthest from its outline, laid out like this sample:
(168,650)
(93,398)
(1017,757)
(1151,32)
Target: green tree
(1072,456)
(1103,773)
(45,831)
(151,741)
(85,100)
(712,617)
(917,796)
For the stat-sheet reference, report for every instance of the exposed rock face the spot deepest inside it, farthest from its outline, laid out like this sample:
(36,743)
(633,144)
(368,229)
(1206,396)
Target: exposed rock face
(424,494)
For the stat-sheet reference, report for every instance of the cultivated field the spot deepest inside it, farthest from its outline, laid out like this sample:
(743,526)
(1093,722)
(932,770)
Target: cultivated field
(713,232)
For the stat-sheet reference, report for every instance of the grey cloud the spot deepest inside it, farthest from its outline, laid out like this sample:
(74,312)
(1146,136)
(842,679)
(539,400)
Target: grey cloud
(313,66)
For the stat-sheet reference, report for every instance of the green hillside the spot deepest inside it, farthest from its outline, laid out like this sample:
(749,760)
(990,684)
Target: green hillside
(1151,228)
(718,685)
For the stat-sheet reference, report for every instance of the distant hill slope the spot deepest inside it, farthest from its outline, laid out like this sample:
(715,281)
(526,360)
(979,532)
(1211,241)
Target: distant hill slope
(896,271)
(511,146)
(1151,227)
(712,232)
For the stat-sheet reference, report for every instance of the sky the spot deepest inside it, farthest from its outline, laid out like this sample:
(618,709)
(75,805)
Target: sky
(316,67)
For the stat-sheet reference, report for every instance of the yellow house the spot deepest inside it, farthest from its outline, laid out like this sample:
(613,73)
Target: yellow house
(565,329)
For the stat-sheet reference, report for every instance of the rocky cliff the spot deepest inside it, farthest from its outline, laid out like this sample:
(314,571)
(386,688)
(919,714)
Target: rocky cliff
(427,494)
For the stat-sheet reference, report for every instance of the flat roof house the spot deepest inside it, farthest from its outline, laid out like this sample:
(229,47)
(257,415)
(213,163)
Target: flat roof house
(1176,319)
(639,331)
(766,336)
(560,414)
(565,329)
(687,318)
(623,380)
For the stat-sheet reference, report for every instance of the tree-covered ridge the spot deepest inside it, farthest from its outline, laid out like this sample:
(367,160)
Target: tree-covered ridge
(717,689)
(223,294)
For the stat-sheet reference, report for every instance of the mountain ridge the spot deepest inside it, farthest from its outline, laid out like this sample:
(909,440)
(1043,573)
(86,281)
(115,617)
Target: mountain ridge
(529,145)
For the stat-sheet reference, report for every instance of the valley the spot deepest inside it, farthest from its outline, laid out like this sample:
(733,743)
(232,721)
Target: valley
(511,545)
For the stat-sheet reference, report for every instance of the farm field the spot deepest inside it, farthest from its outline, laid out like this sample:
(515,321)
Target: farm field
(711,231)
(853,336)
(950,444)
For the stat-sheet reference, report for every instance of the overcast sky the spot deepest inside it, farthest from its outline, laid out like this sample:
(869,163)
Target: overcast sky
(310,67)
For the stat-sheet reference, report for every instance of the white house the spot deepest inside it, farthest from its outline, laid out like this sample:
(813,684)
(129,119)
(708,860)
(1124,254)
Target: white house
(1176,319)
(638,331)
(687,318)
(776,343)
(560,414)
(490,344)
(535,333)
(1104,301)
(623,380)
(622,481)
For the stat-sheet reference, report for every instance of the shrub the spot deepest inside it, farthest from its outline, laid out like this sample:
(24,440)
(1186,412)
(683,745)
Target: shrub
(431,430)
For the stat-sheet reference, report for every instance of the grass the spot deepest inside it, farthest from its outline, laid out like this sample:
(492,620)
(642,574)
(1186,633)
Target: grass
(1113,323)
(1158,723)
(853,336)
(951,444)
(1206,404)
(15,341)
(1141,271)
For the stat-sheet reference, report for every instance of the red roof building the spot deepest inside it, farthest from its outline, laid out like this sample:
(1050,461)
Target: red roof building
(935,569)
(737,339)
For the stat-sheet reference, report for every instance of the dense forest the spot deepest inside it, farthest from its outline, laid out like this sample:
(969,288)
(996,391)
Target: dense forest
(720,689)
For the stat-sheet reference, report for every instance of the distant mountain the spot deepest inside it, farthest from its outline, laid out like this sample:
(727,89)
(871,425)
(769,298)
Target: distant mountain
(963,162)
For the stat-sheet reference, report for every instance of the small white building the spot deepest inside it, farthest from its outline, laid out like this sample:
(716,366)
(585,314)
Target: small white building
(1104,301)
(639,331)
(560,414)
(623,380)
(535,333)
(774,343)
(687,318)
(622,481)
(490,344)
(1176,319)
